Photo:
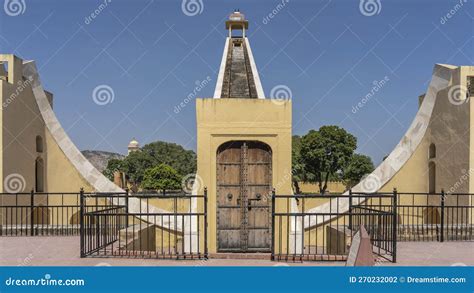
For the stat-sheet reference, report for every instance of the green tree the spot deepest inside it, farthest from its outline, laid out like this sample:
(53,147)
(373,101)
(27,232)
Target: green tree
(359,166)
(161,177)
(152,155)
(134,166)
(113,165)
(297,166)
(326,152)
(174,155)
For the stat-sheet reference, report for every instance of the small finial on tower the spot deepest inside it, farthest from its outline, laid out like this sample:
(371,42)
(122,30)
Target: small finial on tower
(237,21)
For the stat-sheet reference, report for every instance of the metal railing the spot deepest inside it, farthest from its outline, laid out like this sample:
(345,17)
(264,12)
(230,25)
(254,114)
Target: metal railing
(39,214)
(303,233)
(174,225)
(150,226)
(436,217)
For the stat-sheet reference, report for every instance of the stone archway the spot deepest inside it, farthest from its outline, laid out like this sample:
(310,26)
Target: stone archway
(75,219)
(41,215)
(431,215)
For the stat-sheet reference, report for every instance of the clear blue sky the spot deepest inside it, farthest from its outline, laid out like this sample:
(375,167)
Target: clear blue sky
(151,54)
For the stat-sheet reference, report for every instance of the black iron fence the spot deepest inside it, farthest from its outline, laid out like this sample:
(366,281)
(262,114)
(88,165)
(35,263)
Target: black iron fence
(174,225)
(39,214)
(150,225)
(321,227)
(436,217)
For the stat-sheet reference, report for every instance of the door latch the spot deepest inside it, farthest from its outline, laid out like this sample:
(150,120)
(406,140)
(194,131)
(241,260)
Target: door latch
(258,197)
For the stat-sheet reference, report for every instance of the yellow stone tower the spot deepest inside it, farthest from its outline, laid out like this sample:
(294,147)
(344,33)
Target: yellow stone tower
(243,148)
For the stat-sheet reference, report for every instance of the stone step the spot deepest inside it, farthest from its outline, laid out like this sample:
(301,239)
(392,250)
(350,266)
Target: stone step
(236,255)
(239,81)
(136,236)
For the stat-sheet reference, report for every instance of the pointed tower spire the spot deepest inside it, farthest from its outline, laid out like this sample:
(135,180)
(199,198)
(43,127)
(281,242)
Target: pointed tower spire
(238,75)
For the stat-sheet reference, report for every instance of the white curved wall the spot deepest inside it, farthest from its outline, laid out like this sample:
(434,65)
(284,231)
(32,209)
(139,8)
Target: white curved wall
(404,150)
(91,175)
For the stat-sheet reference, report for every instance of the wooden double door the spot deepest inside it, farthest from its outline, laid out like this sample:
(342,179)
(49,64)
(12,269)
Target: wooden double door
(244,183)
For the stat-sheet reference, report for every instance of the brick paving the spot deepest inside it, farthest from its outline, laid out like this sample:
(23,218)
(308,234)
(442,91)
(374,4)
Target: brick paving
(64,251)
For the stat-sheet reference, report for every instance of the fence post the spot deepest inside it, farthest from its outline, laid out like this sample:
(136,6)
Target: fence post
(205,223)
(273,225)
(350,210)
(81,221)
(32,215)
(394,224)
(442,215)
(126,207)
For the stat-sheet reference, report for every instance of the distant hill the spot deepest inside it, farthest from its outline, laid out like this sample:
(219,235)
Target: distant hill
(99,159)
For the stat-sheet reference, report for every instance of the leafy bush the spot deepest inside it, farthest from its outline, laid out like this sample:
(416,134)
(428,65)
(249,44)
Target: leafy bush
(161,177)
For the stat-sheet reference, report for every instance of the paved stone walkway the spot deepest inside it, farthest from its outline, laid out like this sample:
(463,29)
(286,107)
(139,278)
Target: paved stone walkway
(64,251)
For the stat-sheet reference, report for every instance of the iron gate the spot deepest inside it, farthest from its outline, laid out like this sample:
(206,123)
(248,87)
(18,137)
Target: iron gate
(172,225)
(300,233)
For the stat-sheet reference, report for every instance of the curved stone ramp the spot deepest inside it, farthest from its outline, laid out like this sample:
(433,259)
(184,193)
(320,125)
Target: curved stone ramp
(96,179)
(398,157)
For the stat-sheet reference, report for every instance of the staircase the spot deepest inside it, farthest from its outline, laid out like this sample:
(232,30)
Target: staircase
(146,237)
(140,237)
(238,79)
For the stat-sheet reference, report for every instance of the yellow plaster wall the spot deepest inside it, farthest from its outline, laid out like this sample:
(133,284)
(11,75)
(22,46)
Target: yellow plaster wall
(334,187)
(450,133)
(469,71)
(413,176)
(20,115)
(2,93)
(63,176)
(222,120)
(21,123)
